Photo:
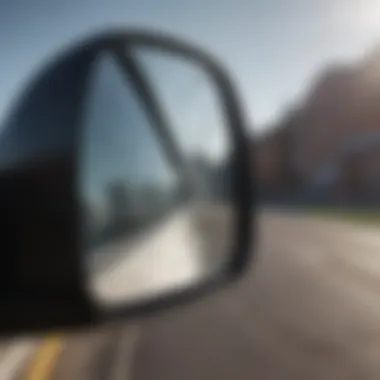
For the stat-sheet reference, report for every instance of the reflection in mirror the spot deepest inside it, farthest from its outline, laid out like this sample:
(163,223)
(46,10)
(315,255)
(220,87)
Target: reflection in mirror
(193,106)
(151,228)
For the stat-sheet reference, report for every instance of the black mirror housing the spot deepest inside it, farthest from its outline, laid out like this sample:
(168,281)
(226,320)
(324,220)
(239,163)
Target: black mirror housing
(43,284)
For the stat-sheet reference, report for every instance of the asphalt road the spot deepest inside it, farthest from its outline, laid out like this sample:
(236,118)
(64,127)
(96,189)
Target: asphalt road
(308,308)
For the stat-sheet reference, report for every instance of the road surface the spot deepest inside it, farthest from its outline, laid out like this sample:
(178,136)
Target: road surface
(162,259)
(309,308)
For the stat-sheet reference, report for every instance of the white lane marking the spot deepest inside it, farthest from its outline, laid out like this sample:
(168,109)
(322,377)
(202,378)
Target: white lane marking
(14,357)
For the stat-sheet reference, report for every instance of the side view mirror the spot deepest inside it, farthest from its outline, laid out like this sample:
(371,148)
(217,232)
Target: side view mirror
(125,184)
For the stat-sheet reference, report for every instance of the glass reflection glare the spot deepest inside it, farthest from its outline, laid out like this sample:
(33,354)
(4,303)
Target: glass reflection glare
(149,227)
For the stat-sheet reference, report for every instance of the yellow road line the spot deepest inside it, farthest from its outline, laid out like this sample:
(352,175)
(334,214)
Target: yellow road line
(44,359)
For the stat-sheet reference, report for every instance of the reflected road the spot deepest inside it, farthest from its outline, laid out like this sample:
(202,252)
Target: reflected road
(167,257)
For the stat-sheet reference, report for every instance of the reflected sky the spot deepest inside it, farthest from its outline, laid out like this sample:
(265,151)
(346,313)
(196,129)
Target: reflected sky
(191,101)
(119,142)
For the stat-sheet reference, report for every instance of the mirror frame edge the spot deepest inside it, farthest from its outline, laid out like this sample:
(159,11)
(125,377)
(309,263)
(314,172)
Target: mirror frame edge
(244,188)
(86,314)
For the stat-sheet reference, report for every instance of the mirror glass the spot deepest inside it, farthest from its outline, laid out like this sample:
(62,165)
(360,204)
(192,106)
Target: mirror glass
(157,202)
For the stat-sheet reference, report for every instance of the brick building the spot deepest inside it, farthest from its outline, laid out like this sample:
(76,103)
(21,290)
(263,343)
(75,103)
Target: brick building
(329,146)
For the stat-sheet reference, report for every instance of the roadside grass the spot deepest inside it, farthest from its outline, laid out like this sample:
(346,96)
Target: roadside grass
(357,216)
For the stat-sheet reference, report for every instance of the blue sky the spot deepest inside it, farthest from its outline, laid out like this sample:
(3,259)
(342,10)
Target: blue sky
(121,141)
(272,47)
(121,144)
(191,102)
